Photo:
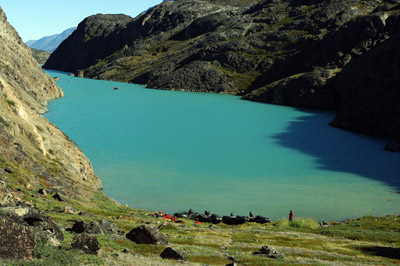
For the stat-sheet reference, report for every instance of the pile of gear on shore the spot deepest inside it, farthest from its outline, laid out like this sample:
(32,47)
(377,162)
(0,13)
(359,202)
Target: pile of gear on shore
(212,218)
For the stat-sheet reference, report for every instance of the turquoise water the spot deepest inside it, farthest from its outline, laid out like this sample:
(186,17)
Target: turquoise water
(171,151)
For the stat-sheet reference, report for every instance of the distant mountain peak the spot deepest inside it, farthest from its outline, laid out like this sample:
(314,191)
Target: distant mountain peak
(50,43)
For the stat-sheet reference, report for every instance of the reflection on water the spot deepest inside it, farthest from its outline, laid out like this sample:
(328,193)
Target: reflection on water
(172,151)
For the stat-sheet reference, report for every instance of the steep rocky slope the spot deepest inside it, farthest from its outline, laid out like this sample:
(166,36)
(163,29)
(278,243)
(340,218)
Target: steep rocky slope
(34,151)
(95,37)
(40,55)
(293,53)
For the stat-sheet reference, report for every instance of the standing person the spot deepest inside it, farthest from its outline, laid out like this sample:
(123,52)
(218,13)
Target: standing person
(290,216)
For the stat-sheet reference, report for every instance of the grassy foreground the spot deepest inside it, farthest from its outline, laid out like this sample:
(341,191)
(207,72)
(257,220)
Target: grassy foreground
(364,241)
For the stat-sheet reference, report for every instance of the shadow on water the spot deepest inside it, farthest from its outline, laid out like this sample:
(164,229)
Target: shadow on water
(339,150)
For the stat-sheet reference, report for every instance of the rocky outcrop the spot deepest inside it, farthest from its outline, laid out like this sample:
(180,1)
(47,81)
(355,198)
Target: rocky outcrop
(96,227)
(297,53)
(39,154)
(85,42)
(16,241)
(368,89)
(21,228)
(147,235)
(87,243)
(170,253)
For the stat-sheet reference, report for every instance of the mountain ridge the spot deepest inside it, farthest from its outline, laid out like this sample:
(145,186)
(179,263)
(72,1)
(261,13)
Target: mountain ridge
(282,52)
(52,211)
(50,43)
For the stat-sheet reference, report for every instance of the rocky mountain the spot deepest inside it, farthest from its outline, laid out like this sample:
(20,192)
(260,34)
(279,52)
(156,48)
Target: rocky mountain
(319,54)
(40,55)
(51,212)
(34,153)
(50,43)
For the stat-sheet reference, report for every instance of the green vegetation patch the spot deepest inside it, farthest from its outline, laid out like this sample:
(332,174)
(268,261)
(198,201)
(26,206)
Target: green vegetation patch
(11,103)
(382,229)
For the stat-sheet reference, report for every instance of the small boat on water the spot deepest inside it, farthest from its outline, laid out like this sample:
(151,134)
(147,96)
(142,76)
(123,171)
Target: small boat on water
(115,88)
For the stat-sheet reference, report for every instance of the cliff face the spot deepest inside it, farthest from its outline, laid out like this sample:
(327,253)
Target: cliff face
(94,38)
(29,143)
(293,53)
(369,89)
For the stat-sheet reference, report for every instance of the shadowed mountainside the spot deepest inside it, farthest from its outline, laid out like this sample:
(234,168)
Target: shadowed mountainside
(298,53)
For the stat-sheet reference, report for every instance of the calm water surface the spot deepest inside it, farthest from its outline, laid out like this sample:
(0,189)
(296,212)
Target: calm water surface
(171,151)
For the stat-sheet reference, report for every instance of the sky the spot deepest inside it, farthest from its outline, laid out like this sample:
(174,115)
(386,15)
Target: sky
(36,19)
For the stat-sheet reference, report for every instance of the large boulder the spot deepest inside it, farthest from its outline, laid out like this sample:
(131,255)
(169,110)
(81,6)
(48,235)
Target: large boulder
(40,224)
(95,227)
(145,234)
(170,253)
(87,243)
(17,241)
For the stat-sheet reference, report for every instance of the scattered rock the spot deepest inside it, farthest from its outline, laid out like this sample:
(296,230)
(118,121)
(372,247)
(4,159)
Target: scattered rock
(87,243)
(145,234)
(70,210)
(87,214)
(232,259)
(324,224)
(126,250)
(108,227)
(117,237)
(78,227)
(170,253)
(43,192)
(269,252)
(57,197)
(94,228)
(9,169)
(19,211)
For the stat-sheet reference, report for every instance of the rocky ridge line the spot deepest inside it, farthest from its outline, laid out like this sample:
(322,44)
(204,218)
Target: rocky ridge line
(294,53)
